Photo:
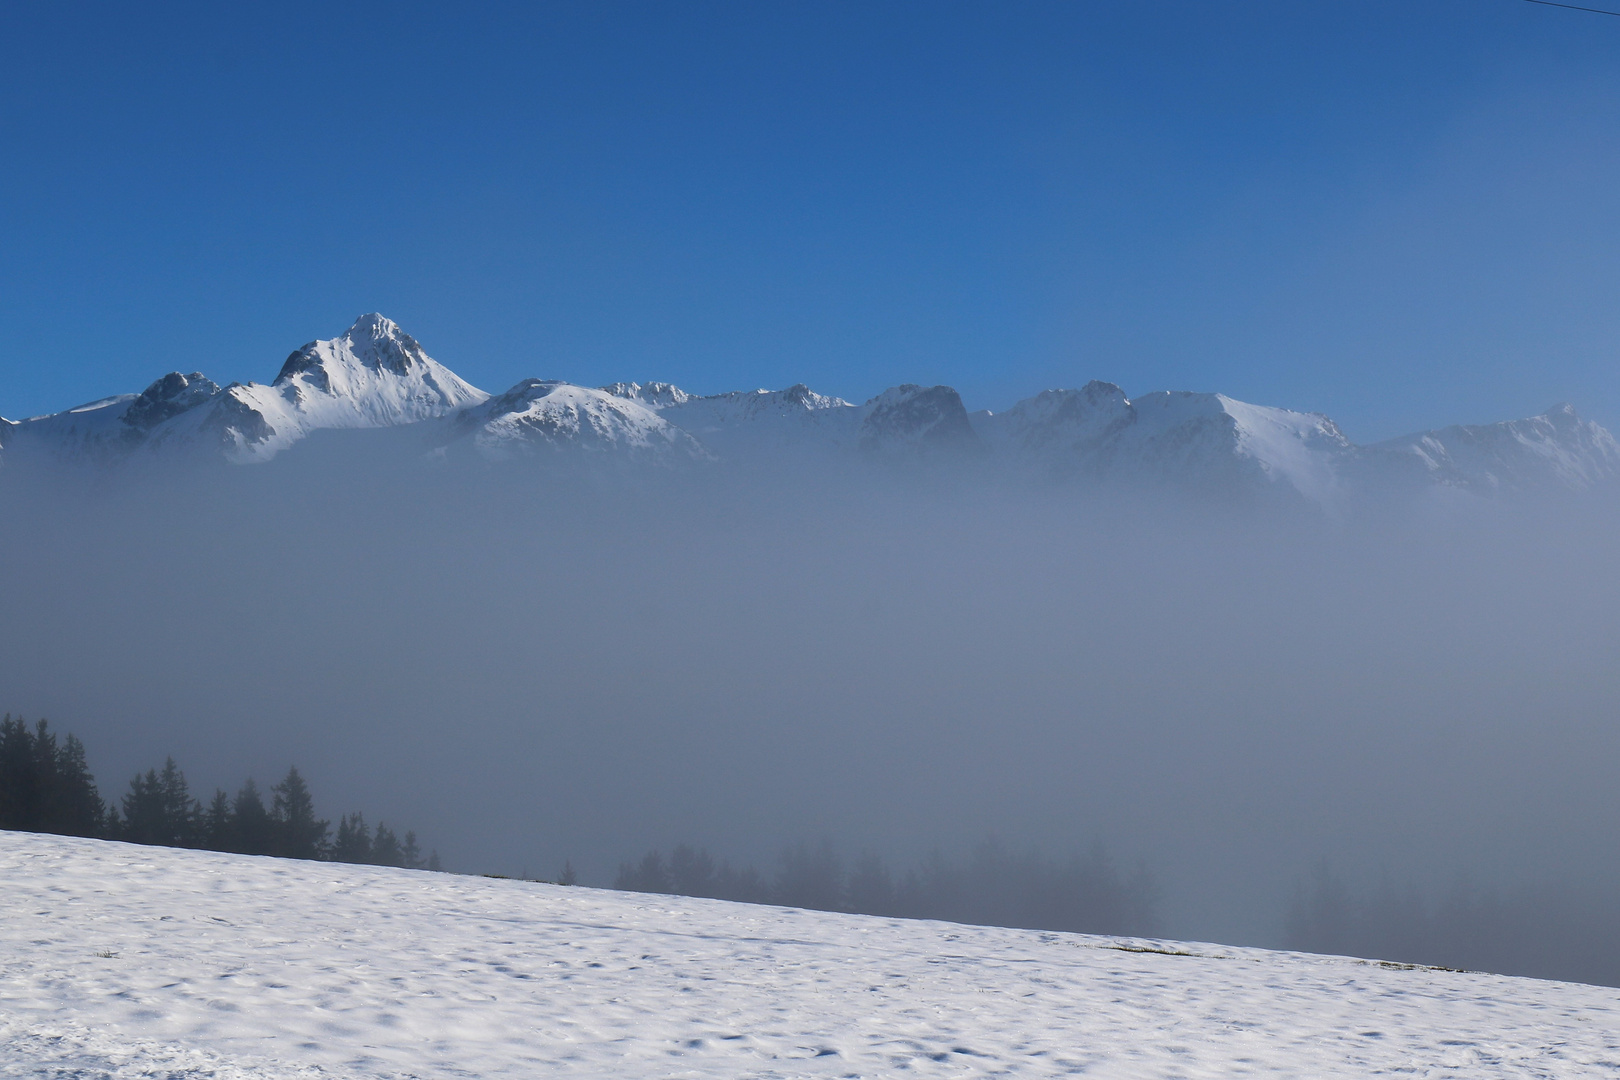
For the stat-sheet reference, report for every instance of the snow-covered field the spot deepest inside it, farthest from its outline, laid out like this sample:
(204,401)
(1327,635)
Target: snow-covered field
(122,961)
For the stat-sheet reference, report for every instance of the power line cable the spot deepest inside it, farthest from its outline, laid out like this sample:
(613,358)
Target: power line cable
(1573,7)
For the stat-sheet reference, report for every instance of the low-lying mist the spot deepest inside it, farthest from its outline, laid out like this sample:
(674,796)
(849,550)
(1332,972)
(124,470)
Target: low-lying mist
(536,665)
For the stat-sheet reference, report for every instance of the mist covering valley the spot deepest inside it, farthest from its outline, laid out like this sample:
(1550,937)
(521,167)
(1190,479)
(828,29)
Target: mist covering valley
(1281,710)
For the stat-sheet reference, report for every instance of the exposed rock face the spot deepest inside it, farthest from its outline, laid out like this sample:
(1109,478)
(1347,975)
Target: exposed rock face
(916,417)
(169,396)
(654,395)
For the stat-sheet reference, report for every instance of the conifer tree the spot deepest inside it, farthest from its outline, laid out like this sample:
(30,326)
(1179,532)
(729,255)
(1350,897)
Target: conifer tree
(298,834)
(385,849)
(18,784)
(181,809)
(219,823)
(75,806)
(353,844)
(254,829)
(45,776)
(159,809)
(46,786)
(144,819)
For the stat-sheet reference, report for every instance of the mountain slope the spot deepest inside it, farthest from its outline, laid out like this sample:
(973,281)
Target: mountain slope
(120,961)
(753,422)
(1187,438)
(540,415)
(1555,449)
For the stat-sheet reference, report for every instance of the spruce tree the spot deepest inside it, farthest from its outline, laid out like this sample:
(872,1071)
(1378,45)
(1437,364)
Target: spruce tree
(46,786)
(385,849)
(353,844)
(254,829)
(19,785)
(411,852)
(45,777)
(74,807)
(181,811)
(144,819)
(159,809)
(298,834)
(219,823)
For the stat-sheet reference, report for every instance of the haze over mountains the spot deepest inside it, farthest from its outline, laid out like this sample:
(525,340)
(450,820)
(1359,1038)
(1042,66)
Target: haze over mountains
(376,376)
(896,625)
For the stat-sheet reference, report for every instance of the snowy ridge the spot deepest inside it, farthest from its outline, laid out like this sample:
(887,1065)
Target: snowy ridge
(751,422)
(119,961)
(375,375)
(654,395)
(1187,437)
(1557,448)
(537,414)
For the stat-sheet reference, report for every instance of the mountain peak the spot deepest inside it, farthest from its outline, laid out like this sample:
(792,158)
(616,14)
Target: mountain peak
(916,416)
(169,396)
(374,342)
(372,375)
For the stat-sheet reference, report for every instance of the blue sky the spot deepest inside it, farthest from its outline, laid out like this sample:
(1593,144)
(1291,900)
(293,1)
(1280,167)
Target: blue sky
(1400,214)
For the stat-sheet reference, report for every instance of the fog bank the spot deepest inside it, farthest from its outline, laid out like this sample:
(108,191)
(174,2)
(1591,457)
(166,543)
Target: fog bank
(532,665)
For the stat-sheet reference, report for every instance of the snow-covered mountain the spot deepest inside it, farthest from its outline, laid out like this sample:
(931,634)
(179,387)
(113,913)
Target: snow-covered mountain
(373,375)
(904,419)
(376,376)
(538,415)
(1200,439)
(1556,449)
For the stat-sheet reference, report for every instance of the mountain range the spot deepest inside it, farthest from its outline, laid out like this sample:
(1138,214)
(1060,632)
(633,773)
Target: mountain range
(375,376)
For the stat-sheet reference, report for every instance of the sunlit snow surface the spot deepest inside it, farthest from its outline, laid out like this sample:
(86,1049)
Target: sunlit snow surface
(122,961)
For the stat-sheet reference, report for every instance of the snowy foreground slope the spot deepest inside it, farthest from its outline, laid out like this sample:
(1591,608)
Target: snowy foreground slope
(123,961)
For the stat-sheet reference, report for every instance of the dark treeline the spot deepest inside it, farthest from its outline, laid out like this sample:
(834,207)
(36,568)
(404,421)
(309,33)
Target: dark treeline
(46,786)
(992,887)
(1549,934)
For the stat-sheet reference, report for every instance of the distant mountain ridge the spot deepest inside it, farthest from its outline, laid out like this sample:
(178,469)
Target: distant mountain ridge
(375,375)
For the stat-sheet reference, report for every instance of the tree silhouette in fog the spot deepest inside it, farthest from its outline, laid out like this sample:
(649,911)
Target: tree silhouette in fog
(46,786)
(992,886)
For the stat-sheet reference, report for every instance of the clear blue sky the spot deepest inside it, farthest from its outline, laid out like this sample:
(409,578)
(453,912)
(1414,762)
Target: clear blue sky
(1401,214)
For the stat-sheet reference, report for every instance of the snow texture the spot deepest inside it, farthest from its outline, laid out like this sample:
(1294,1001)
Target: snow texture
(123,961)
